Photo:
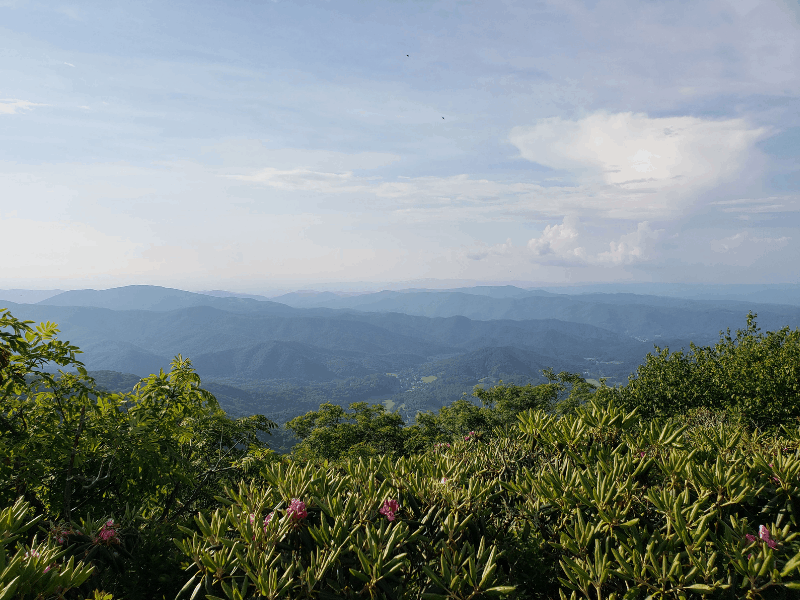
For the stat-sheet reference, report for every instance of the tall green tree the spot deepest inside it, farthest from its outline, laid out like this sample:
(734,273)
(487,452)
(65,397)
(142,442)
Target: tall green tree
(332,432)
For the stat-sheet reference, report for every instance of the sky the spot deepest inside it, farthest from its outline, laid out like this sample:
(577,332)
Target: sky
(257,145)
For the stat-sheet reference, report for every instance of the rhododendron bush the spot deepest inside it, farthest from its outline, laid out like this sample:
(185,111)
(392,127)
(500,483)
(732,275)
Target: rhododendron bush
(596,504)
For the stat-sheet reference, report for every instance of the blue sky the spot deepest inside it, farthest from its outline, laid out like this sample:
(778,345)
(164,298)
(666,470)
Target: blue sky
(259,146)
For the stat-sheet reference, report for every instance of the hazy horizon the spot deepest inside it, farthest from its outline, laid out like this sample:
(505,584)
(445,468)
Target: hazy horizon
(295,145)
(762,293)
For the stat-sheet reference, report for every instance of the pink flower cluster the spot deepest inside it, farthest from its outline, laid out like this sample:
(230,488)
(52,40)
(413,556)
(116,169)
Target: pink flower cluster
(108,534)
(470,436)
(60,533)
(267,519)
(297,509)
(389,509)
(763,536)
(441,446)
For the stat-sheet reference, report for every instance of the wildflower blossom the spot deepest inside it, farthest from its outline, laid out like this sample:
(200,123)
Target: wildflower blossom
(763,536)
(763,533)
(267,519)
(443,481)
(108,534)
(470,436)
(60,533)
(389,509)
(297,509)
(31,554)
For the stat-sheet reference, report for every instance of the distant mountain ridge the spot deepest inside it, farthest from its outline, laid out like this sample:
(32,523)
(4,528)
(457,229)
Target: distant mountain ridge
(27,296)
(157,298)
(639,316)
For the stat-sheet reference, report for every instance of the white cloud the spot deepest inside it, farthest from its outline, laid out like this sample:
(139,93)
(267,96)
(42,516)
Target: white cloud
(634,247)
(639,166)
(745,240)
(10,106)
(745,207)
(69,65)
(558,240)
(481,250)
(568,244)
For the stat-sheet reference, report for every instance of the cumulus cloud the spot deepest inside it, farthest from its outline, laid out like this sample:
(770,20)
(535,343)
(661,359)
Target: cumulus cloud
(632,247)
(639,166)
(558,240)
(569,244)
(10,106)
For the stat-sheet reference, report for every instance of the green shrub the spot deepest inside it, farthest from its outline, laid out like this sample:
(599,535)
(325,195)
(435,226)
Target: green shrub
(593,504)
(34,570)
(753,376)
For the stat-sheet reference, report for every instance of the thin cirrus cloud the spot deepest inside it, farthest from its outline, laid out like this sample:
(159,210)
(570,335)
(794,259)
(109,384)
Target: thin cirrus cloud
(747,208)
(753,245)
(10,106)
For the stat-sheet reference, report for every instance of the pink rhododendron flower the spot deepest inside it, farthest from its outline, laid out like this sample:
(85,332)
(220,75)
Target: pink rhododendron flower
(751,538)
(107,534)
(59,532)
(297,509)
(389,508)
(763,533)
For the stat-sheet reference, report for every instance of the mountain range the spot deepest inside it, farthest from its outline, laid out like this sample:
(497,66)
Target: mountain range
(310,346)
